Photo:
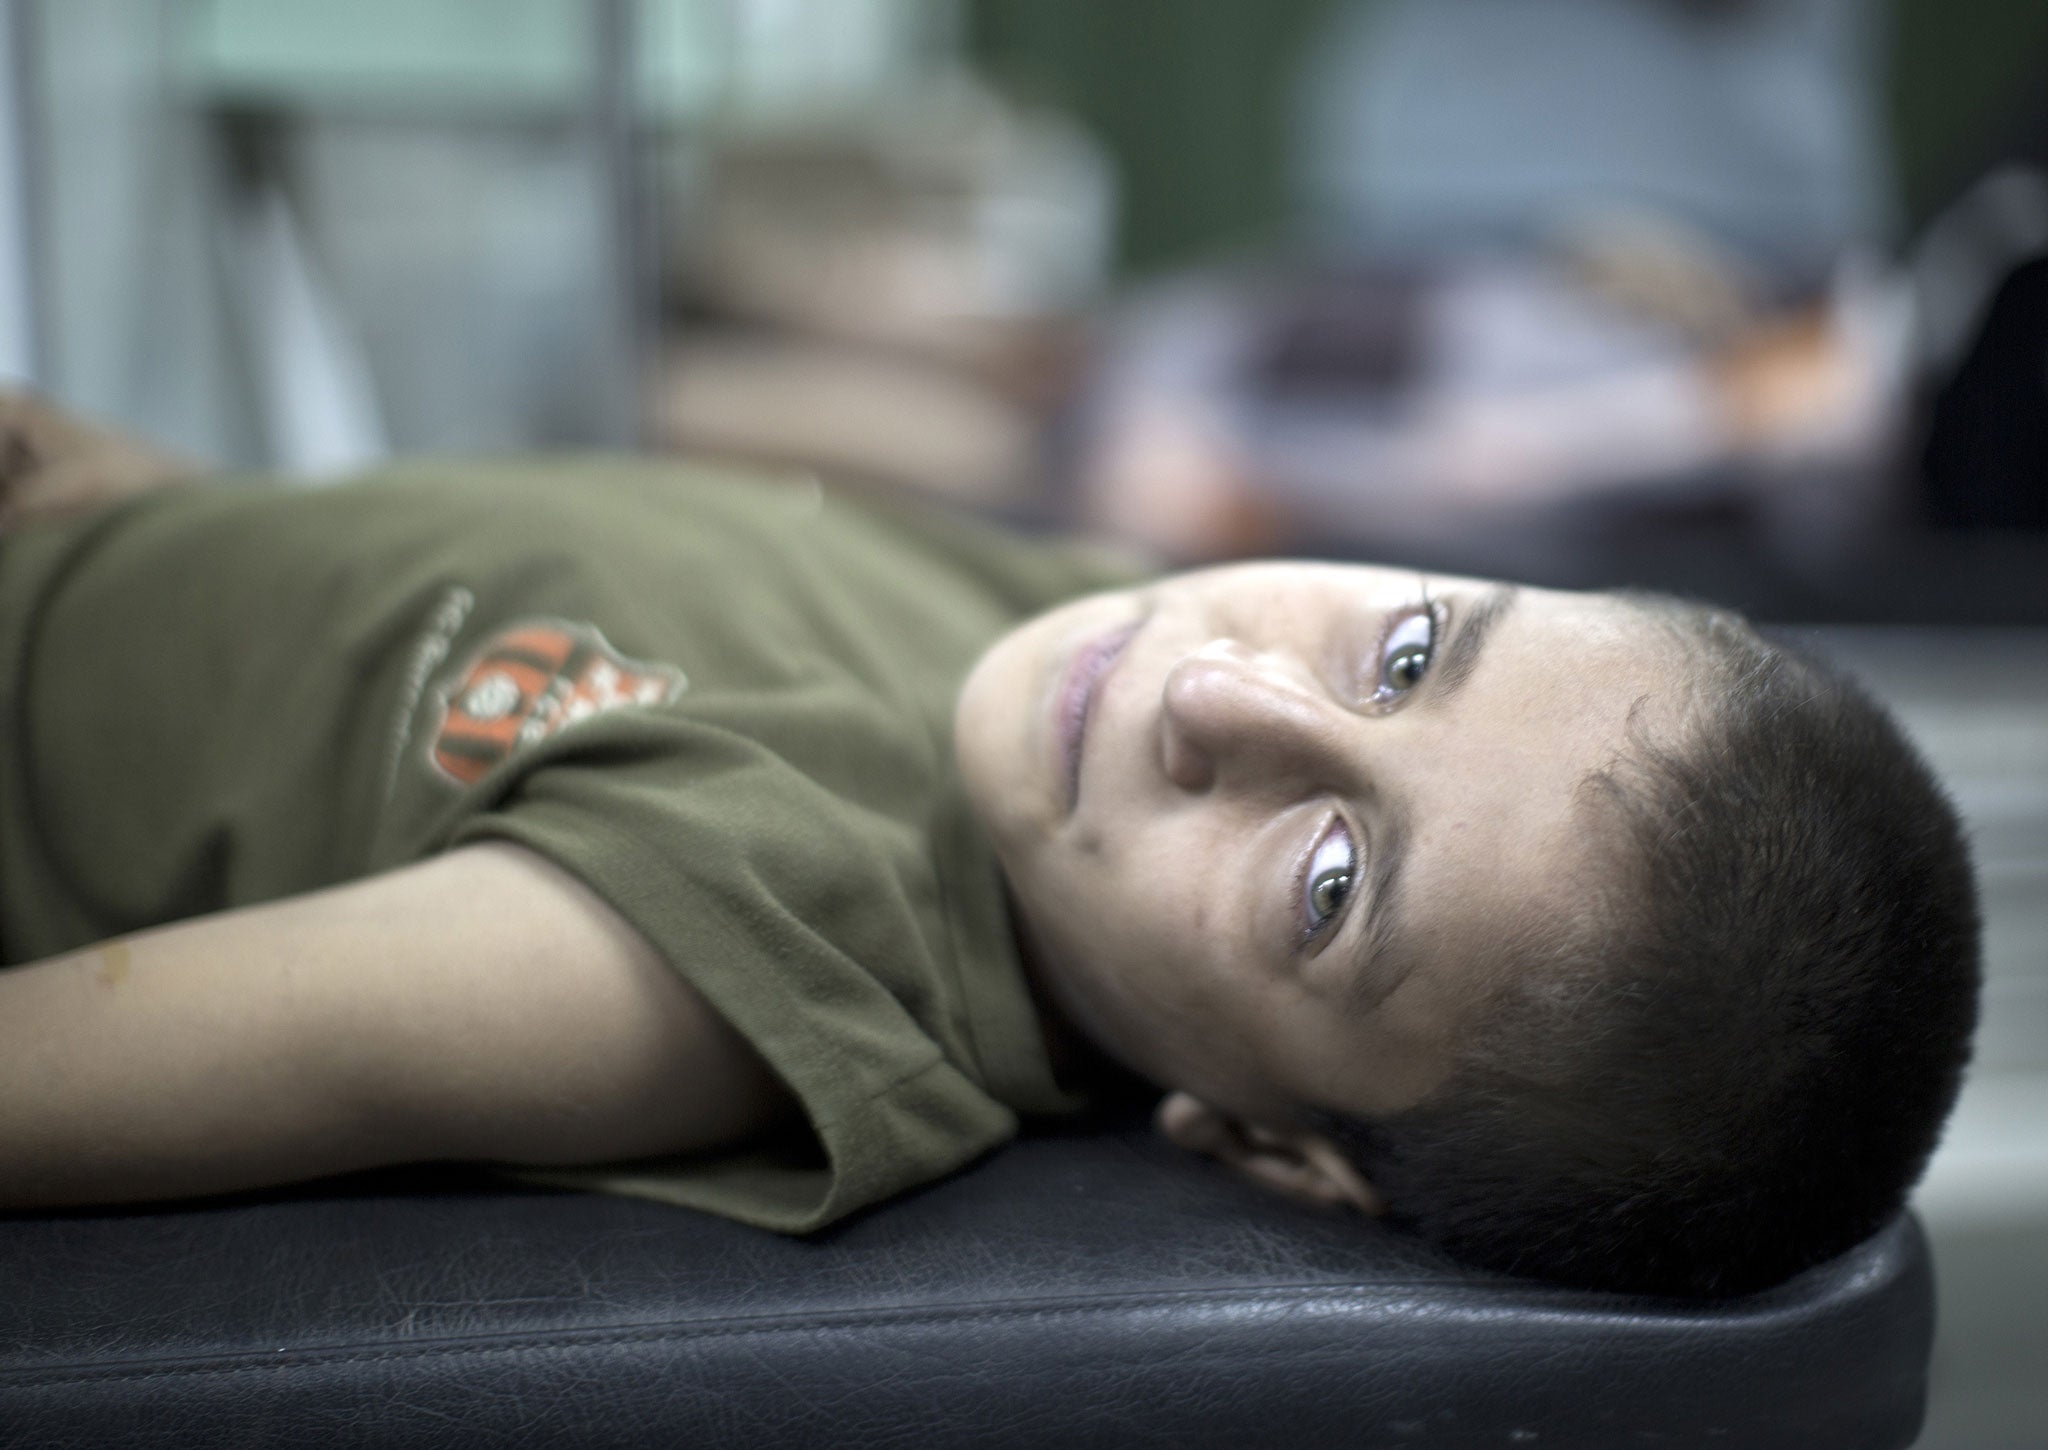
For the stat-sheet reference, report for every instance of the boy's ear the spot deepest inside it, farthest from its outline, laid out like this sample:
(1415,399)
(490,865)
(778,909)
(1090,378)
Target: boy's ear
(1297,1162)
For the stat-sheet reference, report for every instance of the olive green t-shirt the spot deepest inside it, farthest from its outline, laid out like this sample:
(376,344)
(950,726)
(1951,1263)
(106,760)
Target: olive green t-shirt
(723,703)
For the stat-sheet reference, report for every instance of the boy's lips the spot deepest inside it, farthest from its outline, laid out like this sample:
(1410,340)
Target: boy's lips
(1074,701)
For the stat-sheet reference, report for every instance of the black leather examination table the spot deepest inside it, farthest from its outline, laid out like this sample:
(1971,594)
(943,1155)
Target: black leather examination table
(1079,1290)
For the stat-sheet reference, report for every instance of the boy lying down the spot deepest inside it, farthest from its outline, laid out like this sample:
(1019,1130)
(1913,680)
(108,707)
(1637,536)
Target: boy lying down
(739,845)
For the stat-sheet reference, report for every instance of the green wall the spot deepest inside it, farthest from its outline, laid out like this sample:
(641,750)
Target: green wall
(1190,98)
(1962,72)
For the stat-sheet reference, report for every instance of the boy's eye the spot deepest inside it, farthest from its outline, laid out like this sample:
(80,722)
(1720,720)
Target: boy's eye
(1404,658)
(1329,876)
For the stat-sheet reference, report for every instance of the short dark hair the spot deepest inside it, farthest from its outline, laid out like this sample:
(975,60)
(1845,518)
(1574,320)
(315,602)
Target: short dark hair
(1737,1061)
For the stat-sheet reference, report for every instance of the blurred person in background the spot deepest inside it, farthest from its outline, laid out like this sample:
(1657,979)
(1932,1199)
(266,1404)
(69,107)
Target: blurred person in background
(1566,260)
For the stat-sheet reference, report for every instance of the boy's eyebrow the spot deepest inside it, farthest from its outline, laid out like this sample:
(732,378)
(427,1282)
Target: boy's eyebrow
(1461,655)
(1370,987)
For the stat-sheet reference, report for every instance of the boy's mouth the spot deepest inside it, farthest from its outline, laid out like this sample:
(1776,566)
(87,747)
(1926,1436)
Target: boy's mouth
(1074,702)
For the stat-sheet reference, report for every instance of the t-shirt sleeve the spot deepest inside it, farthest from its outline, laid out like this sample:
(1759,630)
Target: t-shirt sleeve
(804,921)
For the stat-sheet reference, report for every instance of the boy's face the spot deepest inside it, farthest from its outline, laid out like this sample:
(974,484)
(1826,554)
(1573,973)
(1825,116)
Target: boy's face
(1270,828)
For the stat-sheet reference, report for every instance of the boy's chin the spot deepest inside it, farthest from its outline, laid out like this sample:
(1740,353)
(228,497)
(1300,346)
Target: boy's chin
(991,745)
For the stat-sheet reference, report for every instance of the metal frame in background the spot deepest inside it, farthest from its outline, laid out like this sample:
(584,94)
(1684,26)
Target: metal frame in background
(24,340)
(622,168)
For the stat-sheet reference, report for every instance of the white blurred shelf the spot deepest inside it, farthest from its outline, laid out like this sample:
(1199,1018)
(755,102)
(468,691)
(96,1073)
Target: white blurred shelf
(1993,1164)
(1976,701)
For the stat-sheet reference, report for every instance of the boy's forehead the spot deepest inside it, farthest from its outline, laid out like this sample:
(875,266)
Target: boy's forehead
(1455,959)
(1565,679)
(1596,621)
(1504,851)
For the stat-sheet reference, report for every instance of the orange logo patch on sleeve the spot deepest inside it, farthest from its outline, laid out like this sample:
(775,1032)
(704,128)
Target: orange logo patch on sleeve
(529,681)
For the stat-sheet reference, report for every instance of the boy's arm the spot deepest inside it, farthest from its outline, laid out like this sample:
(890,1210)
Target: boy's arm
(52,463)
(481,1005)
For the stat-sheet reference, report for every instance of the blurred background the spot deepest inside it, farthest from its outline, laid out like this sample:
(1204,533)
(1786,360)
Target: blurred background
(1742,298)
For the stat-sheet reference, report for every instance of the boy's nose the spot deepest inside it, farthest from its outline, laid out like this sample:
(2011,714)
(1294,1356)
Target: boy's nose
(1229,711)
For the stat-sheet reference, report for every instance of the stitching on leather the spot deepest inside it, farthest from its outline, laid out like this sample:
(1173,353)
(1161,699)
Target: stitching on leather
(294,1359)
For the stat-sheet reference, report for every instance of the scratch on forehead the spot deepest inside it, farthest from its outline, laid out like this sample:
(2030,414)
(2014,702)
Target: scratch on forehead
(115,961)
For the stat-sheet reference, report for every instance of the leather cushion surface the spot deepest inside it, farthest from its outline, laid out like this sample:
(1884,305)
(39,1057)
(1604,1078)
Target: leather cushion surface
(1076,1289)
